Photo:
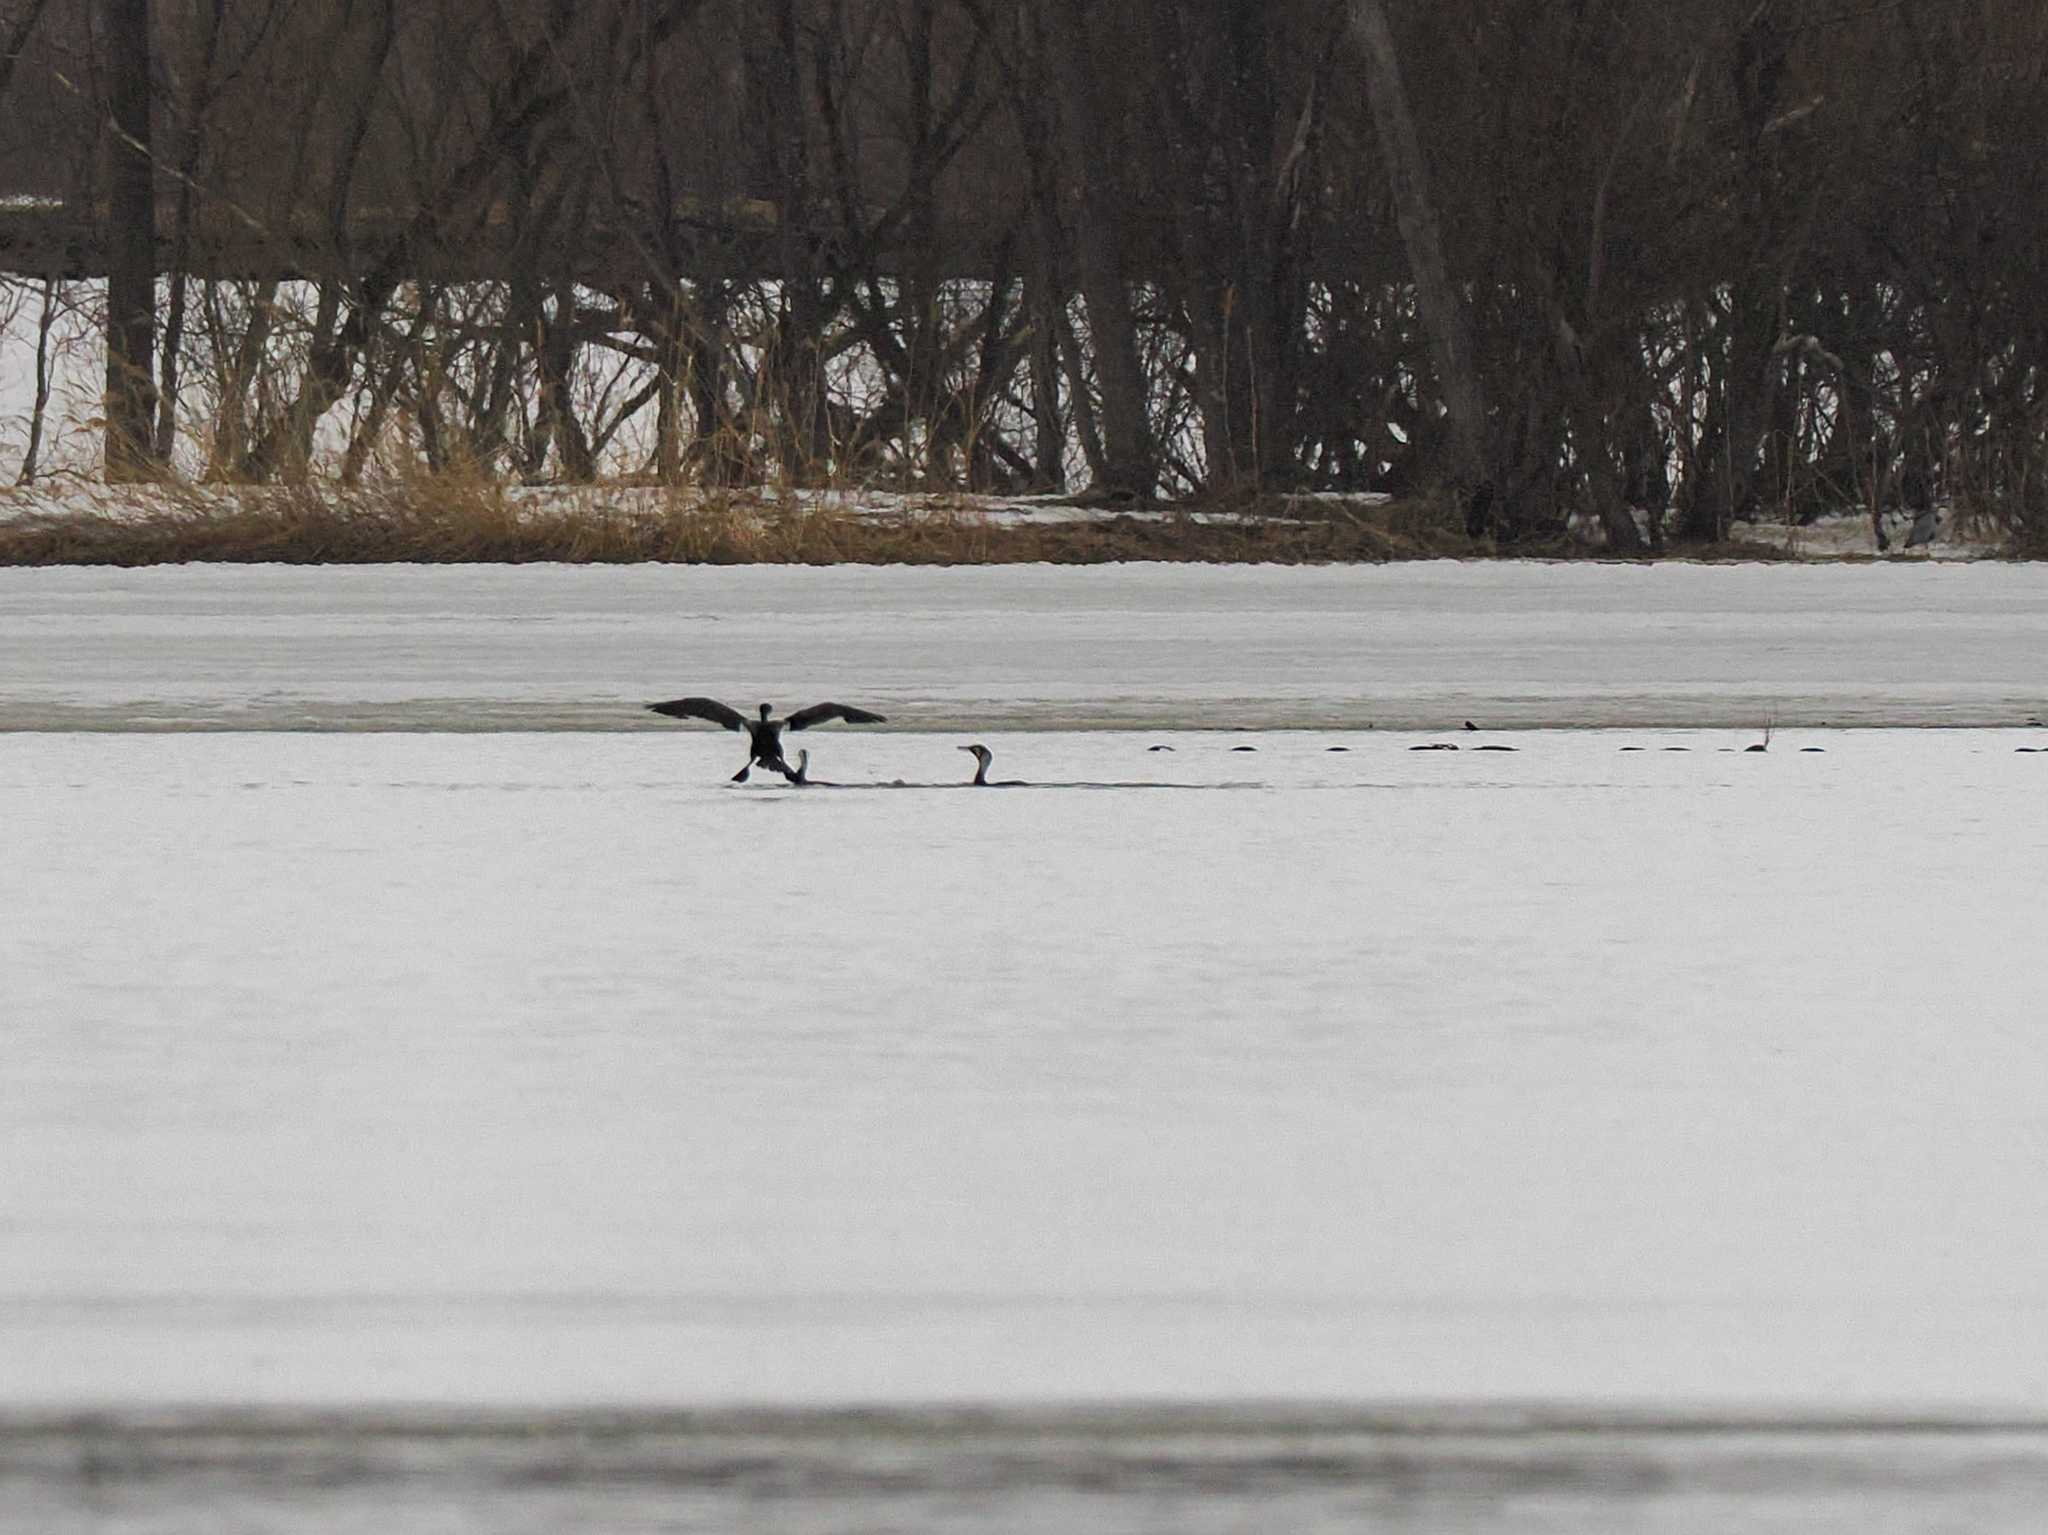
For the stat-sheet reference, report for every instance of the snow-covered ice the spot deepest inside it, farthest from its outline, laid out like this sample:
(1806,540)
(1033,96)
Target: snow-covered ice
(505,1059)
(513,1067)
(1415,645)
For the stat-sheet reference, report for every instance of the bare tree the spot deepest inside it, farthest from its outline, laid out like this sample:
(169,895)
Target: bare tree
(39,410)
(131,258)
(1443,311)
(1617,259)
(1101,233)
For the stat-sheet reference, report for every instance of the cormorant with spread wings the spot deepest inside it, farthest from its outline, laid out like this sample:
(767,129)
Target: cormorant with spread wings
(764,734)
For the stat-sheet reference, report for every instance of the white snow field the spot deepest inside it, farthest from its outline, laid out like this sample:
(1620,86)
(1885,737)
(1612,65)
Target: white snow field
(534,1073)
(1415,645)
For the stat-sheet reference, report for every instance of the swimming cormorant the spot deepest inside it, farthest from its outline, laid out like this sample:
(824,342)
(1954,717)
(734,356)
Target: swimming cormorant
(764,735)
(982,758)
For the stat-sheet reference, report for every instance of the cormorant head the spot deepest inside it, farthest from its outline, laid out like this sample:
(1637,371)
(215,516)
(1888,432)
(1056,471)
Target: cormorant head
(766,711)
(982,758)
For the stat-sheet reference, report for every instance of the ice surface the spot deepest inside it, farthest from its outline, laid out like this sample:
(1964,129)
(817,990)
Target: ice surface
(546,1067)
(1418,645)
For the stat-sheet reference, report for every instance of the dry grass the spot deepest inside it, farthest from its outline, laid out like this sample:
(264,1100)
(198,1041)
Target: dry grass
(451,521)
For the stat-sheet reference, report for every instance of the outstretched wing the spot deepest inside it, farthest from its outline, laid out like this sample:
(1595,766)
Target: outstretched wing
(817,714)
(702,709)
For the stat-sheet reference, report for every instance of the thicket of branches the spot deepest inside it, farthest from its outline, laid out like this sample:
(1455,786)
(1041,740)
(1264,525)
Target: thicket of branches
(1701,261)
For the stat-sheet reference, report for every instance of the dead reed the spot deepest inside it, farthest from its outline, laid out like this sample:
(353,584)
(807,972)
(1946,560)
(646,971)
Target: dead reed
(449,520)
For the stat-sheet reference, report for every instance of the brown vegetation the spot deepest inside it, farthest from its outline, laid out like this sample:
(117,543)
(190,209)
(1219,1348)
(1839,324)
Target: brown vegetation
(446,521)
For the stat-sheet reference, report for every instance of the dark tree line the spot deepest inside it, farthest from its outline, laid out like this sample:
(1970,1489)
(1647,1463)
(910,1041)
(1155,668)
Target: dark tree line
(1613,258)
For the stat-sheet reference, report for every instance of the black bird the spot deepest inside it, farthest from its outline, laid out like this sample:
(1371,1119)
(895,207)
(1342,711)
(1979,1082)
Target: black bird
(764,746)
(982,758)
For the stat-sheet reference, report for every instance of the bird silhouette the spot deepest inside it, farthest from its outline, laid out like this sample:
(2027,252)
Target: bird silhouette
(982,758)
(764,735)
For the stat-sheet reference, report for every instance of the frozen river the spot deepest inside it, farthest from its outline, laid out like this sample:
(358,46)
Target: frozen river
(463,1068)
(497,1080)
(516,1071)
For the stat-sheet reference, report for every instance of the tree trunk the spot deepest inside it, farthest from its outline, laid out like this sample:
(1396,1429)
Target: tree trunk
(1049,467)
(39,414)
(559,344)
(1436,299)
(193,145)
(16,42)
(131,247)
(1130,467)
(665,308)
(1728,489)
(722,451)
(1045,284)
(1750,367)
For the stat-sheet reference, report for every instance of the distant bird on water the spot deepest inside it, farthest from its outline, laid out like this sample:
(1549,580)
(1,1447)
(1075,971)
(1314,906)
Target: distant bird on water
(982,758)
(764,735)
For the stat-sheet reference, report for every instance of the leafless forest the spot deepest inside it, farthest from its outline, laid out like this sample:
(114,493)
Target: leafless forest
(1648,264)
